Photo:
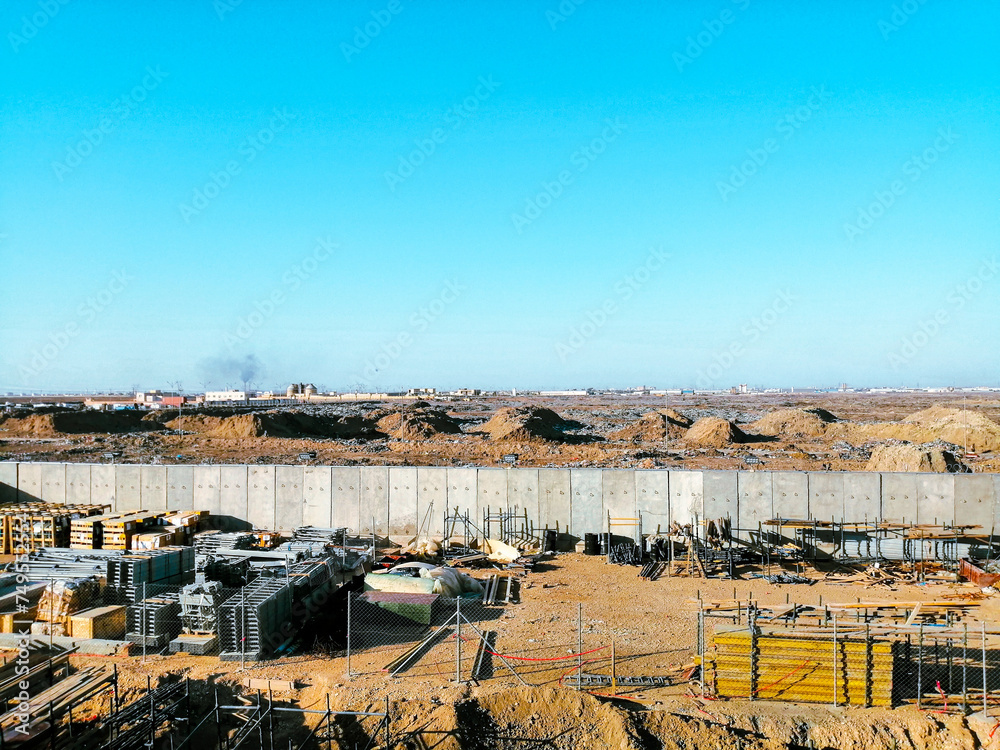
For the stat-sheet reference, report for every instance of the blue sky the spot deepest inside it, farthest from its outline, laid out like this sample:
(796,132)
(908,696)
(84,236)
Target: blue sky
(527,194)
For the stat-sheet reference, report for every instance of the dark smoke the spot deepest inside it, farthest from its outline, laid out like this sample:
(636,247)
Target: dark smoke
(247,370)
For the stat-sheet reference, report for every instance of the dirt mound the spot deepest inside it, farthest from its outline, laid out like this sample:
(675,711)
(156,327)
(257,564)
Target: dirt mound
(794,422)
(527,423)
(926,426)
(714,432)
(275,424)
(655,426)
(417,424)
(909,457)
(954,425)
(77,422)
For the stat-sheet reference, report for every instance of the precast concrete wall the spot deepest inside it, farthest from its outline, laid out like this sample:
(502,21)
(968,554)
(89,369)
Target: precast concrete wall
(395,500)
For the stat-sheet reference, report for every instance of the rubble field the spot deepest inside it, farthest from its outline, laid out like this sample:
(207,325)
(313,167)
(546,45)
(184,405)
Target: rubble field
(833,431)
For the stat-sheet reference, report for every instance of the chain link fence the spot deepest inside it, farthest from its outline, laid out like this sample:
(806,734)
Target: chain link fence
(944,665)
(421,637)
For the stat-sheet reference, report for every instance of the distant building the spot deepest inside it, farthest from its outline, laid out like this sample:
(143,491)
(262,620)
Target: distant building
(422,392)
(217,397)
(584,392)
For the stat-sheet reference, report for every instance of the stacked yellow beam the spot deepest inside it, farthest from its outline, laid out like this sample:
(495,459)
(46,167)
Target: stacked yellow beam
(802,669)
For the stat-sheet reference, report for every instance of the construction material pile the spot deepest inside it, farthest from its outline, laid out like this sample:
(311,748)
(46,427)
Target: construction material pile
(62,598)
(318,535)
(30,526)
(48,563)
(214,542)
(131,577)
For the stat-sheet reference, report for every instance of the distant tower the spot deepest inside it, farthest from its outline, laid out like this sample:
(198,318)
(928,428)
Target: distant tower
(310,390)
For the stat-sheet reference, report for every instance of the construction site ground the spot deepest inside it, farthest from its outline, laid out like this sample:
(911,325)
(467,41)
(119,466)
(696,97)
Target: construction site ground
(596,431)
(653,626)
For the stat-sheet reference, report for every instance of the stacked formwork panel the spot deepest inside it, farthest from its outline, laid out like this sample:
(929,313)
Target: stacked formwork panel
(155,620)
(251,622)
(805,668)
(129,575)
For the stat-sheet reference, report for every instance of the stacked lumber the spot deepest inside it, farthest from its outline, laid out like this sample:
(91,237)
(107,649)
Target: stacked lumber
(30,526)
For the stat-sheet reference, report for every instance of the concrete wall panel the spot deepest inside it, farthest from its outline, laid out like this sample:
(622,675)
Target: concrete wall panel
(432,495)
(862,496)
(403,501)
(77,483)
(206,489)
(652,499)
(687,493)
(790,494)
(974,500)
(826,495)
(346,510)
(619,499)
(128,483)
(522,491)
(103,484)
(492,491)
(462,484)
(374,499)
(29,483)
(588,505)
(554,503)
(180,487)
(317,497)
(8,482)
(54,483)
(288,497)
(154,487)
(936,498)
(899,497)
(755,499)
(260,497)
(233,499)
(722,495)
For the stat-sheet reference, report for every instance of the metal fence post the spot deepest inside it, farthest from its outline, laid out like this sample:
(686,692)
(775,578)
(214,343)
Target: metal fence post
(965,666)
(579,647)
(348,635)
(458,639)
(142,625)
(985,691)
(920,665)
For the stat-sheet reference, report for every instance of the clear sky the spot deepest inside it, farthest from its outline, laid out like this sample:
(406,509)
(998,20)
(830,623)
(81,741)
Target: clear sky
(522,194)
